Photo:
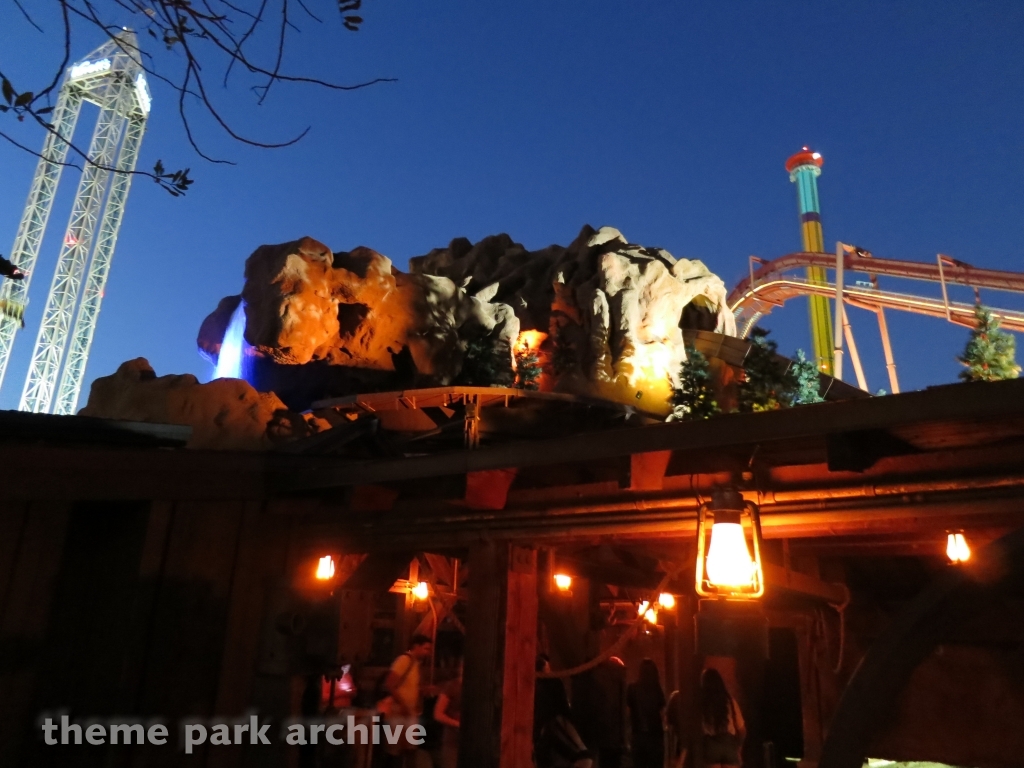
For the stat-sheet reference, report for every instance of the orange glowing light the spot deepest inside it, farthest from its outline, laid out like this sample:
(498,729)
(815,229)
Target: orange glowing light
(651,616)
(563,581)
(729,563)
(530,341)
(957,549)
(728,528)
(325,568)
(667,601)
(642,608)
(421,591)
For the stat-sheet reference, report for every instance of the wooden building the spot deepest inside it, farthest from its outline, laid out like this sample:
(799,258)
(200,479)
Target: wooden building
(140,578)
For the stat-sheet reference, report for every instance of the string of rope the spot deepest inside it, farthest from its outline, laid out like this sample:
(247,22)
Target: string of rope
(841,610)
(614,648)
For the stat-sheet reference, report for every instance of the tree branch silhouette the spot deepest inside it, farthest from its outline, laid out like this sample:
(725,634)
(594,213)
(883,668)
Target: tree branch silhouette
(202,37)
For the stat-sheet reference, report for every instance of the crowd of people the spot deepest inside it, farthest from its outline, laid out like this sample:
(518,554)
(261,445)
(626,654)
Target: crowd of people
(610,723)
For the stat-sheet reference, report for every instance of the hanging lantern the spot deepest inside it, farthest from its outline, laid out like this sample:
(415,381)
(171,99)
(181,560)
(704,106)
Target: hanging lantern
(957,549)
(729,548)
(325,568)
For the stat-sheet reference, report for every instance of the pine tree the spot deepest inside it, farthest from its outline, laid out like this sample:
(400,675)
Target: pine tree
(805,381)
(528,368)
(486,364)
(990,352)
(765,386)
(694,398)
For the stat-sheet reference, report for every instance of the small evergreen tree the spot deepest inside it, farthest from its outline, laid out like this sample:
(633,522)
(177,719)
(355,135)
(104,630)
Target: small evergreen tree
(694,398)
(990,352)
(765,386)
(805,380)
(486,364)
(528,368)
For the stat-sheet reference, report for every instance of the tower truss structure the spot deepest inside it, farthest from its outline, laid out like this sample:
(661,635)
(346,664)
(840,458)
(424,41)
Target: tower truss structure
(112,78)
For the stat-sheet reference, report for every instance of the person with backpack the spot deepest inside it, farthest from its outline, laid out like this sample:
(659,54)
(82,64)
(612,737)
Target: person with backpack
(403,703)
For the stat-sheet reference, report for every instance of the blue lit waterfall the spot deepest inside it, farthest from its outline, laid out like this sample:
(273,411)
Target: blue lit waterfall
(232,361)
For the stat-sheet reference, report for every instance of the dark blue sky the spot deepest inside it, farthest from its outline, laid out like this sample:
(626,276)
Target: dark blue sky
(670,121)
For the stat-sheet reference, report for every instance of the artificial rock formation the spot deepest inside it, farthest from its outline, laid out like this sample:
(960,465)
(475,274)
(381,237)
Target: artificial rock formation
(607,315)
(306,304)
(225,414)
(613,312)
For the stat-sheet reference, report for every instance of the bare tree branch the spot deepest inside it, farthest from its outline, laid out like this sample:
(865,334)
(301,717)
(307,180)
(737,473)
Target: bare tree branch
(29,18)
(205,34)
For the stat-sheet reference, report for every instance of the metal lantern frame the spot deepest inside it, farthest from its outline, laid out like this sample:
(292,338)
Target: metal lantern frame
(731,503)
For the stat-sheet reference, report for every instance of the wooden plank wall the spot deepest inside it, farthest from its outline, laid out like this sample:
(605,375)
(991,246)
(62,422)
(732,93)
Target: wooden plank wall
(134,608)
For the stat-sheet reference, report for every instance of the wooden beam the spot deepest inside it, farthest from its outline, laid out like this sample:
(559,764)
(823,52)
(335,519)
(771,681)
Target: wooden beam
(519,673)
(501,637)
(777,577)
(996,401)
(76,473)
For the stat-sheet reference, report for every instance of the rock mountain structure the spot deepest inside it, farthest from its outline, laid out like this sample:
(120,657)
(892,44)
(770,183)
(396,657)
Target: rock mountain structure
(601,318)
(605,316)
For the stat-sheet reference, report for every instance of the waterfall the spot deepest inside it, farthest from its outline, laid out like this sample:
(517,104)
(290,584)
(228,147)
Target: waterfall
(234,351)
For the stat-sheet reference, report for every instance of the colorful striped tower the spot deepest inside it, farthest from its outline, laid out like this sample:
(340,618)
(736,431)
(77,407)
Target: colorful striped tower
(804,168)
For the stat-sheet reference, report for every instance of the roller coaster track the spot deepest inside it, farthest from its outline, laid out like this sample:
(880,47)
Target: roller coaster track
(768,287)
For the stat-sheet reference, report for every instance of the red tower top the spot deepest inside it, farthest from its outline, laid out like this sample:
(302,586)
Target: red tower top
(804,157)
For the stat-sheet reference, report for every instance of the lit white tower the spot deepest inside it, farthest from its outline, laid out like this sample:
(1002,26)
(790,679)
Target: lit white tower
(112,78)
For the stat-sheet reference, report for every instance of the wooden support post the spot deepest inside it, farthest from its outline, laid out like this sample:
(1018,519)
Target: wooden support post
(501,646)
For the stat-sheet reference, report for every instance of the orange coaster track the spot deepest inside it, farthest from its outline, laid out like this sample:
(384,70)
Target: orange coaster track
(768,287)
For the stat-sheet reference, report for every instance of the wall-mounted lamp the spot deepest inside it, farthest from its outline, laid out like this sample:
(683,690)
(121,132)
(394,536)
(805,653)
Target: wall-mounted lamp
(729,548)
(421,591)
(563,581)
(325,568)
(667,601)
(957,549)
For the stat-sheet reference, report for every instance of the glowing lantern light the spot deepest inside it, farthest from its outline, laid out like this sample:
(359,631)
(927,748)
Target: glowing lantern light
(421,591)
(651,616)
(529,341)
(956,548)
(563,581)
(667,601)
(725,567)
(728,562)
(325,568)
(642,608)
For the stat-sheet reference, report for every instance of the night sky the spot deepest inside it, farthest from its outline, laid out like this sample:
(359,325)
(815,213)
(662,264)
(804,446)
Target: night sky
(670,121)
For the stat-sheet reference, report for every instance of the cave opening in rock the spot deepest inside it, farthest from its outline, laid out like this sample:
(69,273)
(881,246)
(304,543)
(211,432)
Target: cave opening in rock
(350,317)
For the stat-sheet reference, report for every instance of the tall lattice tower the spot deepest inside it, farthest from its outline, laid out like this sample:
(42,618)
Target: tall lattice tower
(112,78)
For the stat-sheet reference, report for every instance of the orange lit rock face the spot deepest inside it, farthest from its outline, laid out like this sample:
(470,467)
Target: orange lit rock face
(305,304)
(604,316)
(225,414)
